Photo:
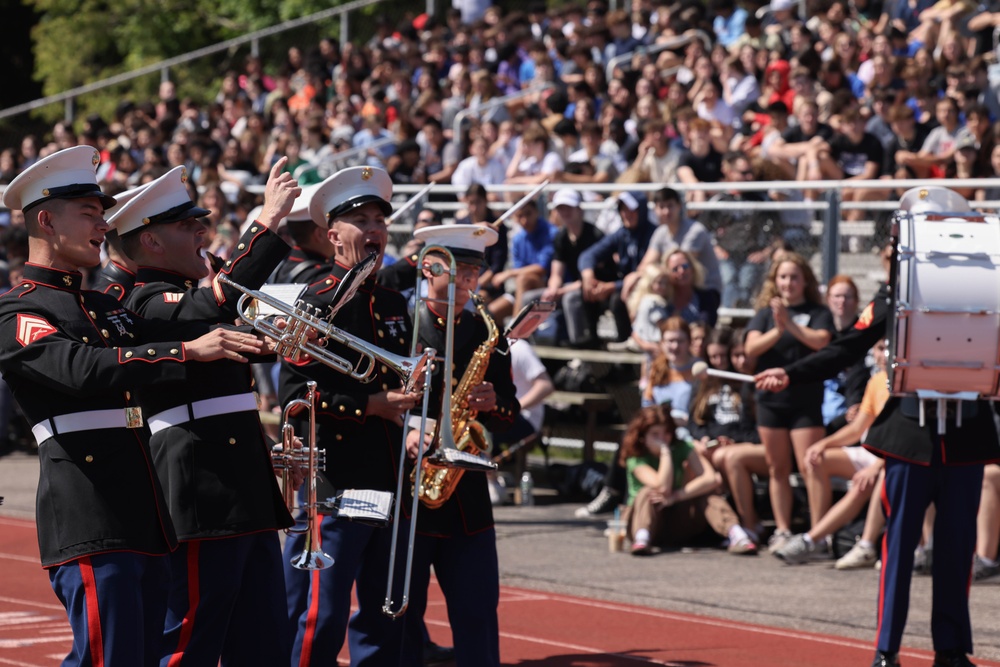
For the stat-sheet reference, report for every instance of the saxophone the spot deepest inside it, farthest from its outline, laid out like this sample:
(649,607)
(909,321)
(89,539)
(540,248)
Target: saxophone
(436,482)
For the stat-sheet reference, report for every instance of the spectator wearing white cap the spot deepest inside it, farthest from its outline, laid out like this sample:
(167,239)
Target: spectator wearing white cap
(574,236)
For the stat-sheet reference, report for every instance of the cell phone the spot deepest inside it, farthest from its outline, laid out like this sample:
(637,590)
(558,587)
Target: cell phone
(529,319)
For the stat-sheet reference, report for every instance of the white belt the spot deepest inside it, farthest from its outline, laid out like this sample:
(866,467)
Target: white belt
(87,421)
(210,407)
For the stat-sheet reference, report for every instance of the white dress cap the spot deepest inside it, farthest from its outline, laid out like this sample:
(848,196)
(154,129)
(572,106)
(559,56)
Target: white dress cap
(163,201)
(350,188)
(67,174)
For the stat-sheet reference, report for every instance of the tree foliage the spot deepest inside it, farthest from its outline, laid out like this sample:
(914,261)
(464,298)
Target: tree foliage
(76,42)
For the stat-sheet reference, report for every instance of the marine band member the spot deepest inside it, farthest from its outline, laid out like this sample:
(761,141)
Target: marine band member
(212,457)
(74,360)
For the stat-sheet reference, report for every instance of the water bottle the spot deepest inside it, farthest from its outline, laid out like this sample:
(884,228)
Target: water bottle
(527,489)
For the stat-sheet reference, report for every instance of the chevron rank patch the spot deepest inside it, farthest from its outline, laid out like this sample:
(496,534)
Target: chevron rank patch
(172,297)
(32,327)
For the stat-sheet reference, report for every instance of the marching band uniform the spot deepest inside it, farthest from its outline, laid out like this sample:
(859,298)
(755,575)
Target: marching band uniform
(114,279)
(362,452)
(212,457)
(921,467)
(459,538)
(73,359)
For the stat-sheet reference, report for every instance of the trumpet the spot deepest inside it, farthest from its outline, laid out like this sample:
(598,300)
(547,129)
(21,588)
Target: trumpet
(294,339)
(286,457)
(447,454)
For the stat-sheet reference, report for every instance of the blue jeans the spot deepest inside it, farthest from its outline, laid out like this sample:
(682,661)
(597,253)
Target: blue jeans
(740,282)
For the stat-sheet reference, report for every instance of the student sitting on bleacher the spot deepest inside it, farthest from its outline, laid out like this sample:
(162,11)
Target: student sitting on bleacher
(669,380)
(672,490)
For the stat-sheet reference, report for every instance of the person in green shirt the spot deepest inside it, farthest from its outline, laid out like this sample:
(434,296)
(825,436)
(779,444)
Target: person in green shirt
(672,490)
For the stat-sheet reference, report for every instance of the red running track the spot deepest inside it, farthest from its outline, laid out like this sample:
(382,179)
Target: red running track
(536,629)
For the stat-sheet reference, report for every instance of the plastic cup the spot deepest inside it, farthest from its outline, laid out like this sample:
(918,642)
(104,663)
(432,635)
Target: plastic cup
(616,535)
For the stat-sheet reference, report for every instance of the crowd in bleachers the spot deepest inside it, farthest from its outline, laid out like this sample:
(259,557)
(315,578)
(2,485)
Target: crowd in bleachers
(710,92)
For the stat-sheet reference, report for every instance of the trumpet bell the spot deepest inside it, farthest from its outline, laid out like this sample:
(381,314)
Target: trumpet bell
(312,560)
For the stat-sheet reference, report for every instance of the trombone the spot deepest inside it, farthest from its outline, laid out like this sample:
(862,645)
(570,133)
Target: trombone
(286,457)
(447,454)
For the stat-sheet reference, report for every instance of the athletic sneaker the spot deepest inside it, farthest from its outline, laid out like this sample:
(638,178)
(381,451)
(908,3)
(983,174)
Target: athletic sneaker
(778,540)
(981,570)
(641,549)
(822,550)
(742,546)
(858,558)
(795,550)
(605,501)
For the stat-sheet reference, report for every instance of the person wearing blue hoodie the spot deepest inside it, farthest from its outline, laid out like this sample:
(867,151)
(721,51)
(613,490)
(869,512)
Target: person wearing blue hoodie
(603,266)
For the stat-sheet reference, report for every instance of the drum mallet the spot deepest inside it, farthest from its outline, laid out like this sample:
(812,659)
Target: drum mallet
(701,369)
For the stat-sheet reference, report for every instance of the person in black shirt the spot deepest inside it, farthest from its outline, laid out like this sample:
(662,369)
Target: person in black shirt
(791,322)
(853,155)
(908,135)
(701,163)
(574,236)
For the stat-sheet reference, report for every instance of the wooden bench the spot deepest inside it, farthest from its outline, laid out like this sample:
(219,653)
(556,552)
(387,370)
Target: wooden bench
(592,404)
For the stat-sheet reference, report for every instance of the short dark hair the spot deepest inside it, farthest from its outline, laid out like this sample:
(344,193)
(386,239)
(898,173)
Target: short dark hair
(664,195)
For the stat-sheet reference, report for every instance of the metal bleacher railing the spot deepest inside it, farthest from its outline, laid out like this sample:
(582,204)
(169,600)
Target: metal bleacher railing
(838,246)
(68,97)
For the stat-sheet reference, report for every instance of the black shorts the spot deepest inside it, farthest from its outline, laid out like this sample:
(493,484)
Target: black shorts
(790,416)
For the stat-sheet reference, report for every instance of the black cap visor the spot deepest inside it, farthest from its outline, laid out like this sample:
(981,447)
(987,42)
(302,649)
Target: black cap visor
(357,202)
(78,191)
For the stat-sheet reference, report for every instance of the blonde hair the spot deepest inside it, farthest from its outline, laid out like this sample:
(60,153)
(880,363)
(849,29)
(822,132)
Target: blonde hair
(644,287)
(697,270)
(769,289)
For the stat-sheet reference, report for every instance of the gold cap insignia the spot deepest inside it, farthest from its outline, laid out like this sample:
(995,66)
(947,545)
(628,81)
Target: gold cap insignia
(366,173)
(479,232)
(96,159)
(184,175)
(923,194)
(45,192)
(145,221)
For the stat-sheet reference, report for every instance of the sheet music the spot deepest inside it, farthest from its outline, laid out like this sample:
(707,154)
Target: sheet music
(362,505)
(288,293)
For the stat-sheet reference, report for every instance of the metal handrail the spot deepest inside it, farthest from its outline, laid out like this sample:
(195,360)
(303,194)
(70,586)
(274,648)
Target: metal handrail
(456,126)
(164,65)
(686,38)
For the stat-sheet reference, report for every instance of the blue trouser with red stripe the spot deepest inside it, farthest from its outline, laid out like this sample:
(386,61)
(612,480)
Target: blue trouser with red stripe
(116,603)
(908,490)
(361,556)
(227,602)
(468,570)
